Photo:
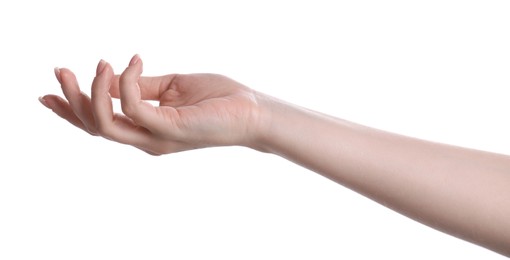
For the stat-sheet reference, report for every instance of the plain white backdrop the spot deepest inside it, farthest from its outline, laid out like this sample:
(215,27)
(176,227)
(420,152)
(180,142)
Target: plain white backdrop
(437,70)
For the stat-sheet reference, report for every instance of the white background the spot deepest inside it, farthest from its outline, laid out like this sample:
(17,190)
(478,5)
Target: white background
(438,70)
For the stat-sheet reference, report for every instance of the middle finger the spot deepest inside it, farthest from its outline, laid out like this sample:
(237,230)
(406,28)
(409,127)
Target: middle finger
(79,101)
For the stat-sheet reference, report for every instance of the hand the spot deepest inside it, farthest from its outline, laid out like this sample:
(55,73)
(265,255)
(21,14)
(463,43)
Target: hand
(195,111)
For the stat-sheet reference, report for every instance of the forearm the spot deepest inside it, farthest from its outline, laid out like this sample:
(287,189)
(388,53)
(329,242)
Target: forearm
(461,191)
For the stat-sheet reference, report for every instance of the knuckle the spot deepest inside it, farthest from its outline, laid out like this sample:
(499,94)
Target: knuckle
(129,109)
(175,80)
(92,130)
(101,129)
(105,131)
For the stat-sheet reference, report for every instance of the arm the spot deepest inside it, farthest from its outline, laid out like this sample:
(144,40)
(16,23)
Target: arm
(463,192)
(460,191)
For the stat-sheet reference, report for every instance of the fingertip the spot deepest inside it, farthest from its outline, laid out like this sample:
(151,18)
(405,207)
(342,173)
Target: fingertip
(49,101)
(100,67)
(56,70)
(132,73)
(44,102)
(134,60)
(64,74)
(136,63)
(107,71)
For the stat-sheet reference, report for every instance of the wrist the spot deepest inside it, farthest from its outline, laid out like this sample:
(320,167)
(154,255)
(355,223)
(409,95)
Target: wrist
(275,123)
(263,124)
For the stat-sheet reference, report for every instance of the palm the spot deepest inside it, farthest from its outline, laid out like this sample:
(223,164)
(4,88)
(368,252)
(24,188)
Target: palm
(206,106)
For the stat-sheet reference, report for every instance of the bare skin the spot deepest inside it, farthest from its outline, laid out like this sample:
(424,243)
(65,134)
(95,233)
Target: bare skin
(460,191)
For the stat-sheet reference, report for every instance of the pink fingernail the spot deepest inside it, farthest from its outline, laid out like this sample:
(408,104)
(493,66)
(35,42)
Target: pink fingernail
(57,74)
(43,101)
(134,60)
(100,67)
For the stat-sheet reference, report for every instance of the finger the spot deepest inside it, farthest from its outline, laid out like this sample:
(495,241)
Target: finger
(62,108)
(151,88)
(79,101)
(141,112)
(112,126)
(102,108)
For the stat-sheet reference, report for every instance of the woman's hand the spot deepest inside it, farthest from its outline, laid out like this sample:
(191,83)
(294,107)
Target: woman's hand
(195,111)
(463,192)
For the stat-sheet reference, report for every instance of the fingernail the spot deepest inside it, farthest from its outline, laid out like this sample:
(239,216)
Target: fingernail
(43,101)
(57,74)
(100,67)
(134,60)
